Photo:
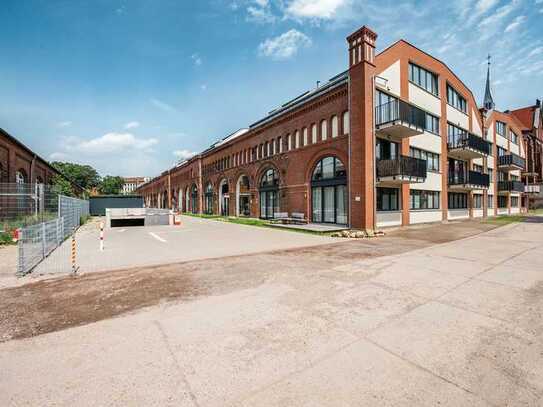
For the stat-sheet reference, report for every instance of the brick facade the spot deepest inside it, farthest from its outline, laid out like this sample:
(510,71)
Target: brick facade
(337,120)
(16,157)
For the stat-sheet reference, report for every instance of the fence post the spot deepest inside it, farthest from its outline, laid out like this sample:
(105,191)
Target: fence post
(58,230)
(20,252)
(74,268)
(43,240)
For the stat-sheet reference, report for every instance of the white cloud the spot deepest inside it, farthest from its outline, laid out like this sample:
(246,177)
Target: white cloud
(499,14)
(162,105)
(317,9)
(484,5)
(196,59)
(260,14)
(111,143)
(184,154)
(132,125)
(58,156)
(64,124)
(515,23)
(203,87)
(284,46)
(536,51)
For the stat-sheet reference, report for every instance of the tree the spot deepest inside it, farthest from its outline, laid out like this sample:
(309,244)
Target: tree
(62,186)
(111,185)
(83,175)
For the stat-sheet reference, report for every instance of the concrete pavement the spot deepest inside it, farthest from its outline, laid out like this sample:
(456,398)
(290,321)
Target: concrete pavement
(456,324)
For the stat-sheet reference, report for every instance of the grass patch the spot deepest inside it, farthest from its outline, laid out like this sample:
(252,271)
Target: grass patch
(506,219)
(6,239)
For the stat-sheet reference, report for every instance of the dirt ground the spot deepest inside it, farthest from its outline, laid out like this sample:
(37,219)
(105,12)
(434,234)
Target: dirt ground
(393,321)
(54,304)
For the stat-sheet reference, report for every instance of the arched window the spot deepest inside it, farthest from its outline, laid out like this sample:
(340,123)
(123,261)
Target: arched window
(304,132)
(208,199)
(297,139)
(194,198)
(243,196)
(346,122)
(289,142)
(20,177)
(269,195)
(329,191)
(224,198)
(314,133)
(335,125)
(324,130)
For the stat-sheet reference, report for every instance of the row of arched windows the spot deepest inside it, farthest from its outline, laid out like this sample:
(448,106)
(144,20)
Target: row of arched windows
(298,139)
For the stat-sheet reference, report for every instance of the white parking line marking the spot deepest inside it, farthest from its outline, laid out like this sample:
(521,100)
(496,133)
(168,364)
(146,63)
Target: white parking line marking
(157,237)
(122,230)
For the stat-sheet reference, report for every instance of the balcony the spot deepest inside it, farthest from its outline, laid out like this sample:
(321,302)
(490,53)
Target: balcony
(510,186)
(401,170)
(468,180)
(467,146)
(532,189)
(511,162)
(399,119)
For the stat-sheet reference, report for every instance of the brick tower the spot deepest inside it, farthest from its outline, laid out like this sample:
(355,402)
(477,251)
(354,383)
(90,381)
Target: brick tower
(362,144)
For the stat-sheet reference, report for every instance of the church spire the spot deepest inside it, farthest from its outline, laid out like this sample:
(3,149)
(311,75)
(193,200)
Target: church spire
(488,102)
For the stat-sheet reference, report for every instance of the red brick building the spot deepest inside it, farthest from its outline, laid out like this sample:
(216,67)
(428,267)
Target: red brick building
(20,164)
(396,139)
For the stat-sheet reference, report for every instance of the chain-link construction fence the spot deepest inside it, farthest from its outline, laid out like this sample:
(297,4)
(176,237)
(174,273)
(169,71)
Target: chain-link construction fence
(39,219)
(36,242)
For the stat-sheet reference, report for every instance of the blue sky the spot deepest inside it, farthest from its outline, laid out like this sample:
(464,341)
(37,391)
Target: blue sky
(131,86)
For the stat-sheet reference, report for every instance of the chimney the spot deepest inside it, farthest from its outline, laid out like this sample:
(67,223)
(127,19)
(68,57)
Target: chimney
(361,146)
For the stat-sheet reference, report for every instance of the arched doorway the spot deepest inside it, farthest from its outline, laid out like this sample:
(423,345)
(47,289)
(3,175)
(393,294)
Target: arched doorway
(329,192)
(194,198)
(180,199)
(243,196)
(187,199)
(224,198)
(269,194)
(208,201)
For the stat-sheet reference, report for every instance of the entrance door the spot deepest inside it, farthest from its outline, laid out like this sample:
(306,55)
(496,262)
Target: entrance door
(225,208)
(244,206)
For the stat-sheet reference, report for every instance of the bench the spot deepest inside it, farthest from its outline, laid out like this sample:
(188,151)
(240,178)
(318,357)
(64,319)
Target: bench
(298,217)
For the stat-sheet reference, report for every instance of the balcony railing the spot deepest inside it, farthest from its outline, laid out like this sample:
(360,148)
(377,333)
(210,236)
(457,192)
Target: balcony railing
(532,189)
(468,141)
(511,160)
(402,167)
(400,111)
(469,178)
(510,186)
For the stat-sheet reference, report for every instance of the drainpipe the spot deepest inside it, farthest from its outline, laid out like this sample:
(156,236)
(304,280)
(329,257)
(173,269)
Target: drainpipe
(373,141)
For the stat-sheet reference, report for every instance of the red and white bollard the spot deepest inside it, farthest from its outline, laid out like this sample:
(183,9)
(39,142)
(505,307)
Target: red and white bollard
(101,236)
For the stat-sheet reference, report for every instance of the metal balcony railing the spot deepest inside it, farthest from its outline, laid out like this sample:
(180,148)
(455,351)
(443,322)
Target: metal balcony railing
(510,160)
(469,178)
(400,111)
(470,141)
(510,186)
(402,166)
(532,189)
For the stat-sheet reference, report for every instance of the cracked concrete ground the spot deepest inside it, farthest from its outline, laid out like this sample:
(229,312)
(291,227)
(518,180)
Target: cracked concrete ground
(373,323)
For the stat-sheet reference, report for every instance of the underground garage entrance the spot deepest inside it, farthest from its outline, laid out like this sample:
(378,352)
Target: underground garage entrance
(126,217)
